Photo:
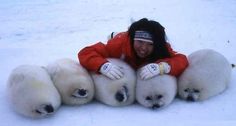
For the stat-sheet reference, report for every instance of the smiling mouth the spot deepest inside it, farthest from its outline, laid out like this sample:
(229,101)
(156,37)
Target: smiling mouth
(141,54)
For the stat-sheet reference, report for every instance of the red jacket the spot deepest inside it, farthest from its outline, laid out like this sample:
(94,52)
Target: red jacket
(92,57)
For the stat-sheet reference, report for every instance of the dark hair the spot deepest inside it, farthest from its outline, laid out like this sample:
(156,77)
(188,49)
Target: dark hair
(157,31)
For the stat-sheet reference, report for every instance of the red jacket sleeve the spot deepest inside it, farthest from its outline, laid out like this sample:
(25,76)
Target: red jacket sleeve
(92,57)
(178,62)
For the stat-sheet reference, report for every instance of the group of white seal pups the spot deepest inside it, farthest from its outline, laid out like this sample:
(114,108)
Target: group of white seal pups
(36,91)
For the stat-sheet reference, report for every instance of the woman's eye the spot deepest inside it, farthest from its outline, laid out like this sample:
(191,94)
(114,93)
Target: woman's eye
(141,42)
(137,41)
(150,44)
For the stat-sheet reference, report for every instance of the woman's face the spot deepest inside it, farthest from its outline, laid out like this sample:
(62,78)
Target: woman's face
(142,48)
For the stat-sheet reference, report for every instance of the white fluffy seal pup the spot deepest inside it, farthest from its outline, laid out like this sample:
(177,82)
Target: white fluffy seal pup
(156,92)
(119,92)
(207,75)
(73,82)
(31,91)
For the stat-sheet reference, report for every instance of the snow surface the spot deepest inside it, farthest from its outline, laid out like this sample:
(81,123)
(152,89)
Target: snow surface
(41,31)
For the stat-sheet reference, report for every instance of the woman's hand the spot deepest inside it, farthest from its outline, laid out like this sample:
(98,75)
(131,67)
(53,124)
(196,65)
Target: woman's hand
(153,69)
(112,71)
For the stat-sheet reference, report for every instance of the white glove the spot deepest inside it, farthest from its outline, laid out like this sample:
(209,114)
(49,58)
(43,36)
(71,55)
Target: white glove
(153,69)
(111,71)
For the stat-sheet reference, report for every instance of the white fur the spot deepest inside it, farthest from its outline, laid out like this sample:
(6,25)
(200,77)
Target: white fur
(71,79)
(207,75)
(156,92)
(107,90)
(30,90)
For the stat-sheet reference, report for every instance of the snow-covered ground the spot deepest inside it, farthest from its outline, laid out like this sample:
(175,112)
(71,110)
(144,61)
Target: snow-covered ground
(39,32)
